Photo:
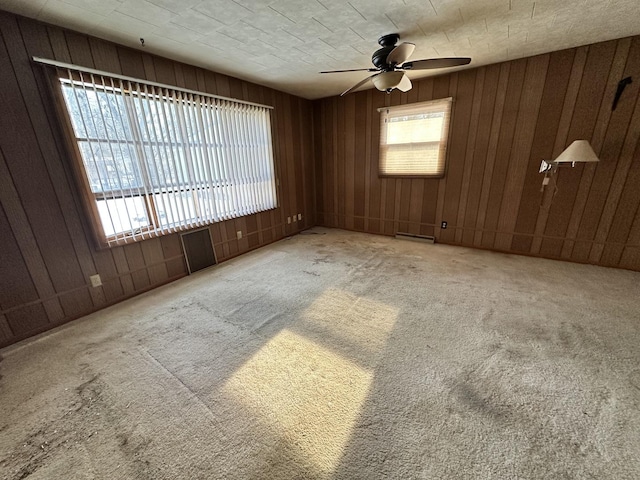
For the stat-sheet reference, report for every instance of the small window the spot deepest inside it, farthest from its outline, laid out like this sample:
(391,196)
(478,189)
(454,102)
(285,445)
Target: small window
(155,160)
(413,139)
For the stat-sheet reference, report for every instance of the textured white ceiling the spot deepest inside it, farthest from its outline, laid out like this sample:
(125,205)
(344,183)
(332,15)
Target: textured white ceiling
(285,43)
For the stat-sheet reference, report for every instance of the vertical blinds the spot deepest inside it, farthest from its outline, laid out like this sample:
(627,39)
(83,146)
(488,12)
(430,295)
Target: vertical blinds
(413,138)
(158,160)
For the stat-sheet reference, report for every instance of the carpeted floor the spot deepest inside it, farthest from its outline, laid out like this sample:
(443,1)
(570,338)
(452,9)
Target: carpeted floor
(337,355)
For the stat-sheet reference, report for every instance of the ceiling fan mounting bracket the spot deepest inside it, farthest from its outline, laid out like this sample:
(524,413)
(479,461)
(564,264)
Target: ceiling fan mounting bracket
(389,40)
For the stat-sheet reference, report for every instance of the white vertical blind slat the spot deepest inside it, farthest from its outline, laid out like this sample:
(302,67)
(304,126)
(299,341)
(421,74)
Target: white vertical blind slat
(130,114)
(229,153)
(216,137)
(179,166)
(253,124)
(126,147)
(118,145)
(146,155)
(93,159)
(208,164)
(156,144)
(249,145)
(112,190)
(192,158)
(266,130)
(250,125)
(239,153)
(173,192)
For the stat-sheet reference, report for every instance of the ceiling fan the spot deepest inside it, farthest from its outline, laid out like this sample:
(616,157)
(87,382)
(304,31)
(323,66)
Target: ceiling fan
(390,63)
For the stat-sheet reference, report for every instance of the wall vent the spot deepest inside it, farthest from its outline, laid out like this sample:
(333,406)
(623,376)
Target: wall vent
(416,238)
(198,249)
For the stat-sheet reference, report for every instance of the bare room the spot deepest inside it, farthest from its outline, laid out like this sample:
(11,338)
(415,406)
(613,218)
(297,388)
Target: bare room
(319,239)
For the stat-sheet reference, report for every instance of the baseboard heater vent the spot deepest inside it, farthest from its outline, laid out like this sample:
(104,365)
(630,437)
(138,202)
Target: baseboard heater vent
(416,238)
(198,249)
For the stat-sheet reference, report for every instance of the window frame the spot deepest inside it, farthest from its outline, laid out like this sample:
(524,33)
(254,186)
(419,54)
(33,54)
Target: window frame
(444,150)
(89,199)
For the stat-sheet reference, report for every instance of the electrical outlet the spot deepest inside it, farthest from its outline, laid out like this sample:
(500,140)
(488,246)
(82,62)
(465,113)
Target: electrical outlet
(299,216)
(295,219)
(239,234)
(288,219)
(96,281)
(443,225)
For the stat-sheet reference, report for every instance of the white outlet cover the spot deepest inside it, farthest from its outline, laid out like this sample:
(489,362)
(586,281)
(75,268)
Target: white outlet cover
(295,219)
(96,281)
(239,234)
(299,216)
(288,219)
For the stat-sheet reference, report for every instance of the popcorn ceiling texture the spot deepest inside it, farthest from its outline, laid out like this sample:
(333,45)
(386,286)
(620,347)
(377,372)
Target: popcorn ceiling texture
(339,355)
(285,43)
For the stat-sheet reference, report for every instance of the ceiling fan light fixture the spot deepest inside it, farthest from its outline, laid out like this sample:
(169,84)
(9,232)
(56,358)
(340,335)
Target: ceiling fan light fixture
(387,80)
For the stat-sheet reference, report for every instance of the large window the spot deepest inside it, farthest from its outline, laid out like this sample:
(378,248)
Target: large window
(155,160)
(413,139)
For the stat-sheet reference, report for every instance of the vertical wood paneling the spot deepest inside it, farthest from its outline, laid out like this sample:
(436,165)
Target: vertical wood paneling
(608,139)
(442,87)
(494,135)
(318,164)
(375,185)
(631,253)
(349,163)
(480,149)
(627,209)
(471,140)
(20,121)
(558,73)
(570,98)
(46,238)
(506,118)
(6,334)
(462,90)
(499,177)
(528,110)
(23,235)
(594,79)
(37,43)
(359,169)
(12,265)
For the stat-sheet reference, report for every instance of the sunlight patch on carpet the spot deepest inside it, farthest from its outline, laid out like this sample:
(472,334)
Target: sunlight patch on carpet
(311,393)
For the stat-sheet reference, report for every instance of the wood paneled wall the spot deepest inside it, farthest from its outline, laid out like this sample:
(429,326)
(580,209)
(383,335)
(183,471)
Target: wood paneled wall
(506,118)
(46,251)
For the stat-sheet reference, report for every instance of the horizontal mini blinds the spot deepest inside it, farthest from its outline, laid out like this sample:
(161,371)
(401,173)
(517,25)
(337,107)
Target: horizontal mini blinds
(159,160)
(413,138)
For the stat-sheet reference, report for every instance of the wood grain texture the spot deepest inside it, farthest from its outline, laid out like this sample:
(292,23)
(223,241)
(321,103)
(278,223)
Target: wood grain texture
(506,118)
(48,251)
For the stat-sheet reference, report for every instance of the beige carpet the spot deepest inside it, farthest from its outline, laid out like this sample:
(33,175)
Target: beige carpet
(337,355)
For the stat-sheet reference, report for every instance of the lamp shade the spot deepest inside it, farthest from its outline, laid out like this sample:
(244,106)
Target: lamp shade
(578,151)
(387,80)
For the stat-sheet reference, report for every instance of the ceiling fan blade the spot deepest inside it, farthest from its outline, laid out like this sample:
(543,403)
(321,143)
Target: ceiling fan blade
(405,84)
(359,84)
(401,53)
(354,70)
(436,63)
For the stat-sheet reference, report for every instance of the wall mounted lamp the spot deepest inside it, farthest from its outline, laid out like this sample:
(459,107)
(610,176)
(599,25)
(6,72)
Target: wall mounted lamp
(579,151)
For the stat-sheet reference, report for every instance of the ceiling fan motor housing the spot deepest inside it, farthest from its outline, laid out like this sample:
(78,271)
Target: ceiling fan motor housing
(379,57)
(388,43)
